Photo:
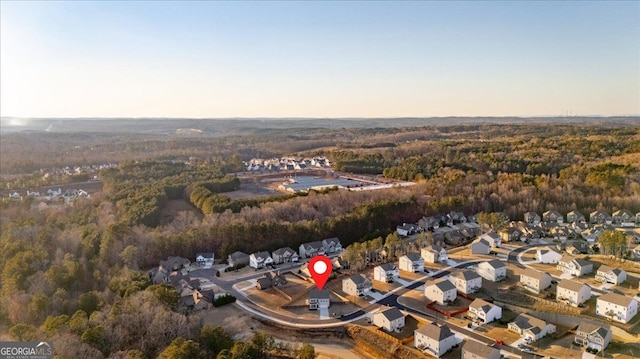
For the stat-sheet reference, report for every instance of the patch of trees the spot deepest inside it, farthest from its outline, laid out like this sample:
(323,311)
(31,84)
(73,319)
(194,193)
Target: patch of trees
(349,161)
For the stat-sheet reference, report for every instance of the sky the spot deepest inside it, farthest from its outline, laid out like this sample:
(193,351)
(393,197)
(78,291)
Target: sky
(212,59)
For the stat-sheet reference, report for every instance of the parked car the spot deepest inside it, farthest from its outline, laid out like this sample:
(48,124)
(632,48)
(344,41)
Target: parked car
(499,342)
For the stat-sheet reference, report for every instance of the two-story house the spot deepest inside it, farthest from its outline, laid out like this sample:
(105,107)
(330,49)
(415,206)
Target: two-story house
(466,281)
(492,238)
(532,218)
(472,349)
(434,254)
(435,339)
(530,327)
(534,280)
(308,250)
(593,336)
(387,273)
(205,259)
(390,319)
(260,260)
(411,262)
(511,234)
(623,218)
(480,246)
(552,217)
(575,217)
(574,266)
(494,270)
(548,255)
(406,229)
(237,258)
(285,255)
(616,307)
(600,217)
(440,291)
(331,245)
(607,274)
(572,292)
(357,285)
(482,312)
(319,299)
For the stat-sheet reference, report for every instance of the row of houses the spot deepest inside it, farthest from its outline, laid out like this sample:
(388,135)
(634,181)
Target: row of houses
(622,217)
(287,164)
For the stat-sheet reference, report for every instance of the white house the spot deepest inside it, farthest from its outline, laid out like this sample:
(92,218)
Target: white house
(434,254)
(437,340)
(548,255)
(530,327)
(480,246)
(493,270)
(205,259)
(572,292)
(318,299)
(331,245)
(534,280)
(407,229)
(440,291)
(607,274)
(472,349)
(593,336)
(387,273)
(308,250)
(260,260)
(574,266)
(466,281)
(492,238)
(617,307)
(357,285)
(390,319)
(484,312)
(411,262)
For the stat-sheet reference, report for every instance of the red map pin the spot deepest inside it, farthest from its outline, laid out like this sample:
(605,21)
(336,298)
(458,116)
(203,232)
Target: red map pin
(320,268)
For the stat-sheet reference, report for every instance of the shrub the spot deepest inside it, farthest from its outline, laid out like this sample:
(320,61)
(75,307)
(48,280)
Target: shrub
(223,300)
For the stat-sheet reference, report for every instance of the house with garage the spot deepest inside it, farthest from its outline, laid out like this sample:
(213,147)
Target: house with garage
(434,254)
(492,238)
(483,312)
(319,299)
(440,291)
(623,218)
(552,217)
(260,260)
(390,319)
(205,259)
(480,246)
(308,250)
(532,218)
(494,270)
(575,217)
(511,234)
(535,280)
(607,274)
(472,349)
(574,266)
(548,255)
(593,336)
(530,327)
(237,259)
(572,292)
(466,281)
(600,217)
(386,273)
(411,262)
(357,285)
(616,307)
(285,255)
(331,245)
(407,229)
(434,339)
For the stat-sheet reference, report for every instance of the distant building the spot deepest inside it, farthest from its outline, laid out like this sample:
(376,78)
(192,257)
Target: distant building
(205,259)
(552,217)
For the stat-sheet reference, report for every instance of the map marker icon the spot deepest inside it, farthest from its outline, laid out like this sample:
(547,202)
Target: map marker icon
(320,268)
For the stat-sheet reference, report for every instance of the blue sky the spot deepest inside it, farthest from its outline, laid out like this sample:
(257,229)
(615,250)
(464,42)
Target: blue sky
(319,59)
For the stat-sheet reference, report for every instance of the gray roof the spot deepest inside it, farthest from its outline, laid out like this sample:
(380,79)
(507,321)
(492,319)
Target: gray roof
(571,285)
(388,267)
(525,321)
(238,255)
(443,284)
(583,262)
(532,273)
(318,294)
(616,299)
(392,313)
(414,257)
(496,263)
(606,269)
(282,251)
(479,349)
(263,255)
(205,255)
(312,245)
(481,304)
(435,332)
(466,275)
(483,241)
(331,241)
(591,328)
(358,279)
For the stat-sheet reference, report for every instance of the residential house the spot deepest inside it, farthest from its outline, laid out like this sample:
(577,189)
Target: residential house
(600,217)
(532,218)
(411,262)
(572,292)
(270,280)
(339,263)
(574,266)
(260,260)
(331,245)
(548,255)
(530,327)
(575,217)
(407,229)
(472,349)
(534,280)
(617,307)
(484,312)
(440,291)
(623,218)
(429,223)
(552,217)
(511,234)
(561,233)
(466,281)
(593,336)
(435,339)
(387,273)
(492,238)
(357,285)
(457,217)
(390,319)
(611,275)
(591,234)
(205,259)
(434,254)
(236,259)
(480,246)
(285,255)
(493,270)
(318,299)
(308,250)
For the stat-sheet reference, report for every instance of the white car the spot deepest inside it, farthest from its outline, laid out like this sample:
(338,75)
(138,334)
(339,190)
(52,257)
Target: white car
(527,350)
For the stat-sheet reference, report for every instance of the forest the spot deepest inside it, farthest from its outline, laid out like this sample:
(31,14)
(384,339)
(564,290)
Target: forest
(77,275)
